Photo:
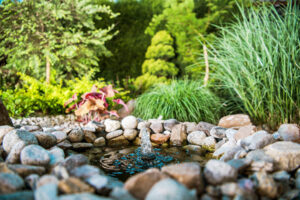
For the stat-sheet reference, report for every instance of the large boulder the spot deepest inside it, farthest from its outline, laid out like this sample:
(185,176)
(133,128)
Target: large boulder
(235,121)
(4,117)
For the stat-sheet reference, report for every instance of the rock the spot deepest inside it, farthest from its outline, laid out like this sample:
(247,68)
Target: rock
(168,189)
(209,142)
(285,154)
(4,117)
(159,138)
(111,125)
(244,132)
(82,196)
(213,191)
(169,124)
(99,182)
(190,127)
(139,184)
(266,185)
(196,137)
(76,135)
(157,126)
(194,148)
(31,181)
(230,132)
(257,140)
(205,127)
(85,171)
(130,134)
(298,179)
(74,160)
(225,148)
(4,130)
(218,172)
(235,121)
(14,154)
(82,145)
(188,174)
(239,164)
(289,132)
(31,128)
(23,195)
(25,170)
(56,155)
(46,140)
(98,126)
(15,136)
(10,183)
(114,134)
(230,189)
(46,192)
(89,134)
(47,179)
(100,142)
(143,124)
(60,172)
(235,152)
(118,141)
(60,136)
(4,168)
(74,185)
(129,122)
(65,144)
(260,161)
(121,193)
(34,155)
(218,132)
(178,135)
(282,176)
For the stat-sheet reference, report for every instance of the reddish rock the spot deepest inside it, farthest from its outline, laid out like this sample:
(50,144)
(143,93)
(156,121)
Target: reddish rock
(159,138)
(235,121)
(244,132)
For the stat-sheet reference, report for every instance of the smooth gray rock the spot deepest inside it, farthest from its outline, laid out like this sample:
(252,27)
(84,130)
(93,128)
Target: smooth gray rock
(74,160)
(10,183)
(196,137)
(85,171)
(14,155)
(76,135)
(257,140)
(129,122)
(15,136)
(56,155)
(114,134)
(46,140)
(218,132)
(60,136)
(218,172)
(34,155)
(111,125)
(46,192)
(169,189)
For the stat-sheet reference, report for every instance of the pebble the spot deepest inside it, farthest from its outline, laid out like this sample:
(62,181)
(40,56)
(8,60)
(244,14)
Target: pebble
(157,127)
(118,141)
(196,137)
(129,122)
(114,134)
(130,134)
(100,142)
(56,155)
(76,135)
(111,125)
(218,132)
(257,140)
(60,136)
(34,155)
(46,140)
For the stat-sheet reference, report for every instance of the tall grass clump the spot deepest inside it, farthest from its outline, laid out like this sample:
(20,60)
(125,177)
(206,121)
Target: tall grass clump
(257,63)
(183,100)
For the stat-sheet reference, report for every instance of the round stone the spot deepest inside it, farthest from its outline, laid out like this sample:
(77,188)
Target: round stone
(34,155)
(10,183)
(76,135)
(46,140)
(111,125)
(196,137)
(129,122)
(130,134)
(100,142)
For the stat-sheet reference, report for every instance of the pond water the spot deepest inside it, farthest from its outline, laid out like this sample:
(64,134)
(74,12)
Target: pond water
(123,162)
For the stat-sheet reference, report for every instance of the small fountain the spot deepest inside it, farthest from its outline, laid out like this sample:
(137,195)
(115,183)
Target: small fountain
(146,146)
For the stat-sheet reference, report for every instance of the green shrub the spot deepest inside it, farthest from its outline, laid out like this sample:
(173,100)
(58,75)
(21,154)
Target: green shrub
(257,62)
(182,100)
(35,97)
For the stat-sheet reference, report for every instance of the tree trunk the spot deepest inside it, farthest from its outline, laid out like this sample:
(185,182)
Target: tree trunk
(4,117)
(48,73)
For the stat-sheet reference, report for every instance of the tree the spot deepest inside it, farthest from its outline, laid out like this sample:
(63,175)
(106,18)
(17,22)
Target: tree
(53,33)
(158,66)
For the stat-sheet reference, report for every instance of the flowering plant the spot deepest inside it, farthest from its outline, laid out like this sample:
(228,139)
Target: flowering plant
(94,105)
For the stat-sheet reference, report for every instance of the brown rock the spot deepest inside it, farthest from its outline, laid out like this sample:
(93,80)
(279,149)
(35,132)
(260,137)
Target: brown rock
(286,154)
(190,127)
(159,138)
(140,184)
(4,117)
(74,185)
(244,132)
(189,174)
(235,121)
(178,135)
(89,136)
(25,170)
(118,141)
(4,168)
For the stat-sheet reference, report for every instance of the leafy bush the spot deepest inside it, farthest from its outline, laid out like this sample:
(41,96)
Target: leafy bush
(257,63)
(158,66)
(182,100)
(36,97)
